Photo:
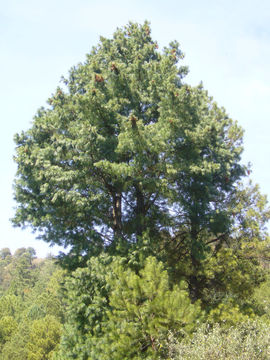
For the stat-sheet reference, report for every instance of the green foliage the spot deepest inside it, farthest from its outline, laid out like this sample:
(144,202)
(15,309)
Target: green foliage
(262,298)
(114,313)
(46,297)
(127,148)
(248,340)
(7,326)
(87,298)
(18,272)
(143,309)
(10,305)
(15,348)
(232,266)
(16,268)
(44,336)
(31,306)
(139,175)
(5,253)
(31,340)
(228,282)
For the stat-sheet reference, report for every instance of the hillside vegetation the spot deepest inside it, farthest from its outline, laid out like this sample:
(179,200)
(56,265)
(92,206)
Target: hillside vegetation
(43,310)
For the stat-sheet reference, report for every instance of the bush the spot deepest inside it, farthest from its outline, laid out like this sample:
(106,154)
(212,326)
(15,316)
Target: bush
(246,341)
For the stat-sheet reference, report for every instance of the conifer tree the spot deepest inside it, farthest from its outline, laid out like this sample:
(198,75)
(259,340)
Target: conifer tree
(126,148)
(115,313)
(128,161)
(143,309)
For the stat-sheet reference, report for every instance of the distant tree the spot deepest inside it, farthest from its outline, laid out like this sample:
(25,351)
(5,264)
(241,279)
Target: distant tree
(4,253)
(7,326)
(44,336)
(31,307)
(22,271)
(15,348)
(5,260)
(27,252)
(10,305)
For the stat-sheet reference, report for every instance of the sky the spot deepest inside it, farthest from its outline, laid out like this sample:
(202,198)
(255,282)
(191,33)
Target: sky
(226,43)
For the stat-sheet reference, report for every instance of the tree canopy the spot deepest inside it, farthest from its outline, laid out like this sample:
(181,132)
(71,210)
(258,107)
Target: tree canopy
(125,148)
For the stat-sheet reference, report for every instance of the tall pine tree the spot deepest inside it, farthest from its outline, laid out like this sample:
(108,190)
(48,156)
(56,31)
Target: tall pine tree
(126,148)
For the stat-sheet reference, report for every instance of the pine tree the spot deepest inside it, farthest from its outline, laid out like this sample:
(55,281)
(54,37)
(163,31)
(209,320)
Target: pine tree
(114,312)
(126,148)
(144,308)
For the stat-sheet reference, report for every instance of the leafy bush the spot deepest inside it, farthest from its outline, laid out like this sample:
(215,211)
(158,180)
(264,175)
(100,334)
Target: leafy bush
(246,341)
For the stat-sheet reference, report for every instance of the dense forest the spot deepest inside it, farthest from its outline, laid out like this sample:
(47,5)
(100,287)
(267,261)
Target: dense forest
(43,309)
(31,305)
(139,176)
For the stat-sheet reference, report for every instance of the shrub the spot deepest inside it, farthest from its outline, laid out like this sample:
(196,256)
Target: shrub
(246,341)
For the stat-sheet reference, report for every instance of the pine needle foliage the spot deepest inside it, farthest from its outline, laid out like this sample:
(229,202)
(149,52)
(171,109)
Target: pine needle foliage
(125,147)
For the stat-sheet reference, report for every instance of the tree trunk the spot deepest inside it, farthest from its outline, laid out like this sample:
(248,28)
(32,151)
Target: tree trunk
(194,283)
(140,211)
(117,213)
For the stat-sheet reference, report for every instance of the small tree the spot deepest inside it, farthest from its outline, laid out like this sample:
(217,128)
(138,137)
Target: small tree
(144,308)
(115,313)
(4,253)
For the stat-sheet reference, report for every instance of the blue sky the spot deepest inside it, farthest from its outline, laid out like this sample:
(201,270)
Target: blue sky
(227,47)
